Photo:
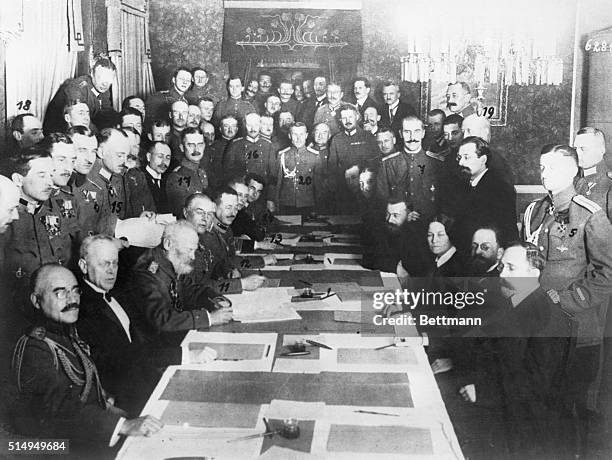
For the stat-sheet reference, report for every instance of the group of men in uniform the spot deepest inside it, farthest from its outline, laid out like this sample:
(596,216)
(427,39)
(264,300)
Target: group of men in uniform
(179,151)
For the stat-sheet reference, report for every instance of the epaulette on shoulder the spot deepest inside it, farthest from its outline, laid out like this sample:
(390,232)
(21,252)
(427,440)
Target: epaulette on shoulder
(164,91)
(83,84)
(310,149)
(93,183)
(391,155)
(286,149)
(37,332)
(265,140)
(153,267)
(177,168)
(586,203)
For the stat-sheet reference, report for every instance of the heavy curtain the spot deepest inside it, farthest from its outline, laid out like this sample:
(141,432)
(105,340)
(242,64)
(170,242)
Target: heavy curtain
(129,48)
(41,51)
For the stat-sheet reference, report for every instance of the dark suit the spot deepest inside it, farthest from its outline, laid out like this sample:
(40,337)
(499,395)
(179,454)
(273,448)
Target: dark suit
(116,358)
(369,102)
(309,109)
(492,201)
(402,111)
(158,192)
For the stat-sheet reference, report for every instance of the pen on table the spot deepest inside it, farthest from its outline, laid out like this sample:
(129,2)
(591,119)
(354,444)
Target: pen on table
(375,413)
(305,282)
(385,346)
(318,344)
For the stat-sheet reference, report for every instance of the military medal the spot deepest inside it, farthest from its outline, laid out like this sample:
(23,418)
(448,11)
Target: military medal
(52,225)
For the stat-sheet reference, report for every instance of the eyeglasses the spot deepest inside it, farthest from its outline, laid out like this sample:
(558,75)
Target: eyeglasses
(483,246)
(63,293)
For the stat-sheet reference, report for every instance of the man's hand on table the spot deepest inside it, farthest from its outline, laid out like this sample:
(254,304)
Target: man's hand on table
(441,365)
(220,316)
(266,246)
(252,282)
(469,393)
(269,259)
(141,426)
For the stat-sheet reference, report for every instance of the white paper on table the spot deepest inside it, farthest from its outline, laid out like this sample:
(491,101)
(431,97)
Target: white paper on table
(140,232)
(283,409)
(178,441)
(299,267)
(289,220)
(390,280)
(262,305)
(332,303)
(264,363)
(165,219)
(297,366)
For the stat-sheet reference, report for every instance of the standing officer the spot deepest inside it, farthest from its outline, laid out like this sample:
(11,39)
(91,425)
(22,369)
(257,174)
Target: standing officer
(298,174)
(189,177)
(155,280)
(158,104)
(590,144)
(91,89)
(252,154)
(575,236)
(412,171)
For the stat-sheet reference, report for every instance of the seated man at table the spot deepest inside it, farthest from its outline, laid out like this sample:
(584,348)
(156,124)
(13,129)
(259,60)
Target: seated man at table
(60,395)
(243,223)
(257,210)
(168,312)
(518,364)
(222,244)
(200,212)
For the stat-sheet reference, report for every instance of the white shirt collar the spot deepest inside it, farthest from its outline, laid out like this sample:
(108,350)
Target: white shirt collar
(117,309)
(105,173)
(320,98)
(474,182)
(153,173)
(361,101)
(590,171)
(394,105)
(445,257)
(493,267)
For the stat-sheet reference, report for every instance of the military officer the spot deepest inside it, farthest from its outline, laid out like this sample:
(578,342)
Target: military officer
(92,89)
(215,159)
(234,105)
(41,234)
(328,112)
(200,212)
(325,191)
(596,185)
(158,104)
(575,236)
(298,174)
(222,244)
(189,177)
(412,171)
(168,313)
(60,395)
(64,155)
(252,154)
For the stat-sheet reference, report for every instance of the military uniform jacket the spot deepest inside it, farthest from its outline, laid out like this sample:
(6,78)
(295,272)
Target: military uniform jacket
(244,155)
(223,246)
(355,148)
(578,259)
(201,278)
(41,235)
(194,94)
(184,180)
(165,311)
(597,187)
(235,107)
(158,104)
(418,175)
(49,403)
(94,212)
(298,177)
(328,115)
(80,88)
(213,159)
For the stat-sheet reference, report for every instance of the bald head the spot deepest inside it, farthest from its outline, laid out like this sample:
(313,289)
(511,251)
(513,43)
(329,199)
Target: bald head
(473,125)
(9,200)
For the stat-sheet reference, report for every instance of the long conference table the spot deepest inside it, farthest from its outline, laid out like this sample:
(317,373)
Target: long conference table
(350,398)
